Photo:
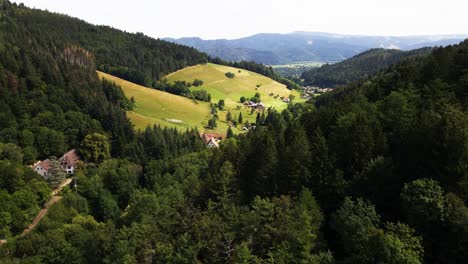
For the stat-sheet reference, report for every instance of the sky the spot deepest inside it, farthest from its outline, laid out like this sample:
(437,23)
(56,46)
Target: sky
(212,19)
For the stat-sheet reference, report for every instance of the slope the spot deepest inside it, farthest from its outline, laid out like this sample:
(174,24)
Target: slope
(243,84)
(165,109)
(134,57)
(157,107)
(358,67)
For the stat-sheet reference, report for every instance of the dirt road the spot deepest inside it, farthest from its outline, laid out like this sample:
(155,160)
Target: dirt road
(55,198)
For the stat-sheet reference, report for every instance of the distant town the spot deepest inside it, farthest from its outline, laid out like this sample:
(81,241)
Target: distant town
(312,91)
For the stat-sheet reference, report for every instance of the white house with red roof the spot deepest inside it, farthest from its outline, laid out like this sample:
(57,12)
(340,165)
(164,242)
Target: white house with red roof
(213,143)
(68,162)
(42,168)
(212,140)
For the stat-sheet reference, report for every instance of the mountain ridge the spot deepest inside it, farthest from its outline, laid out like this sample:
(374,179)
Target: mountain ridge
(359,66)
(300,46)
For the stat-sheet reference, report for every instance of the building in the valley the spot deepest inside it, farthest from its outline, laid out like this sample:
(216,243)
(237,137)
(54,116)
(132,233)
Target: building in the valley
(212,140)
(42,168)
(258,106)
(311,91)
(213,143)
(69,161)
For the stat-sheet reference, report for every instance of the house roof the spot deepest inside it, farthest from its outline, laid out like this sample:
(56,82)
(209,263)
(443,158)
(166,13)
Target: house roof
(44,164)
(213,142)
(70,158)
(207,137)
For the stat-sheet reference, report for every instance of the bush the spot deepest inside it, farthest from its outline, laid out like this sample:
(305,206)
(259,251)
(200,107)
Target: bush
(230,75)
(197,82)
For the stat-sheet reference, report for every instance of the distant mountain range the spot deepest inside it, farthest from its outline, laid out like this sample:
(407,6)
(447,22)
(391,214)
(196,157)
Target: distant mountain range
(274,49)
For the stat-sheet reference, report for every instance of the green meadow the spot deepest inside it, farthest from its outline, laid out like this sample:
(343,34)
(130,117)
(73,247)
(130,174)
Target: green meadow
(158,107)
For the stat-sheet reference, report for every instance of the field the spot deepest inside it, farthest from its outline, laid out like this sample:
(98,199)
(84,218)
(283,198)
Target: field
(243,84)
(157,107)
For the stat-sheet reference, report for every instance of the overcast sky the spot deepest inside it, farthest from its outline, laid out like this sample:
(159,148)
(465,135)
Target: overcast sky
(211,19)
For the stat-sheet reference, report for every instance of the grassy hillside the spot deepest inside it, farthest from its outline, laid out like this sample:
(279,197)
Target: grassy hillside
(243,84)
(157,107)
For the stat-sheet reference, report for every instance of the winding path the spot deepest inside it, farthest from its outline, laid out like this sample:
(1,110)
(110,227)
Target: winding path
(55,198)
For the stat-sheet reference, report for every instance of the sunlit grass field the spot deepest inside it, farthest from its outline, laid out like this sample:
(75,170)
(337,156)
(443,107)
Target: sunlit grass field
(157,107)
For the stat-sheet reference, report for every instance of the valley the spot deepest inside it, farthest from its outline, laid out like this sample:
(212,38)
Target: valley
(158,107)
(121,147)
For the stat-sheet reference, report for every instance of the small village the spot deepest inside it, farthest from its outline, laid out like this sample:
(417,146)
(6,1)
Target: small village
(312,91)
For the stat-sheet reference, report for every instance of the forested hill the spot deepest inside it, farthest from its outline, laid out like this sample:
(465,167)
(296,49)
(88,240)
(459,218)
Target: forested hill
(50,94)
(134,57)
(51,101)
(358,67)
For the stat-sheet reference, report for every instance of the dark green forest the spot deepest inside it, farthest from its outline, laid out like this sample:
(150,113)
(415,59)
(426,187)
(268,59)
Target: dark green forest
(358,67)
(134,57)
(373,172)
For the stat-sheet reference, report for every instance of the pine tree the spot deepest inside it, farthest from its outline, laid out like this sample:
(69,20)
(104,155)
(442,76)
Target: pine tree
(258,119)
(240,119)
(229,133)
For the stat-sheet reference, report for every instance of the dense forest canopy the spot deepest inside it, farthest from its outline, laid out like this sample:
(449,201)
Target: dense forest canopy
(374,172)
(358,67)
(134,57)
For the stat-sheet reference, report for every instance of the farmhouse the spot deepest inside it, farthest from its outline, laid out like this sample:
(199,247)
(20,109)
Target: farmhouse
(212,140)
(213,143)
(68,163)
(42,168)
(259,106)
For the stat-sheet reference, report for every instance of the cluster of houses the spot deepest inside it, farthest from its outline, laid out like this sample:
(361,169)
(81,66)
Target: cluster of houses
(251,104)
(68,163)
(311,91)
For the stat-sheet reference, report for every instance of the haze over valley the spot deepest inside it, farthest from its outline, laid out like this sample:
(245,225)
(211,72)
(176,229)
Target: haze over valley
(274,49)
